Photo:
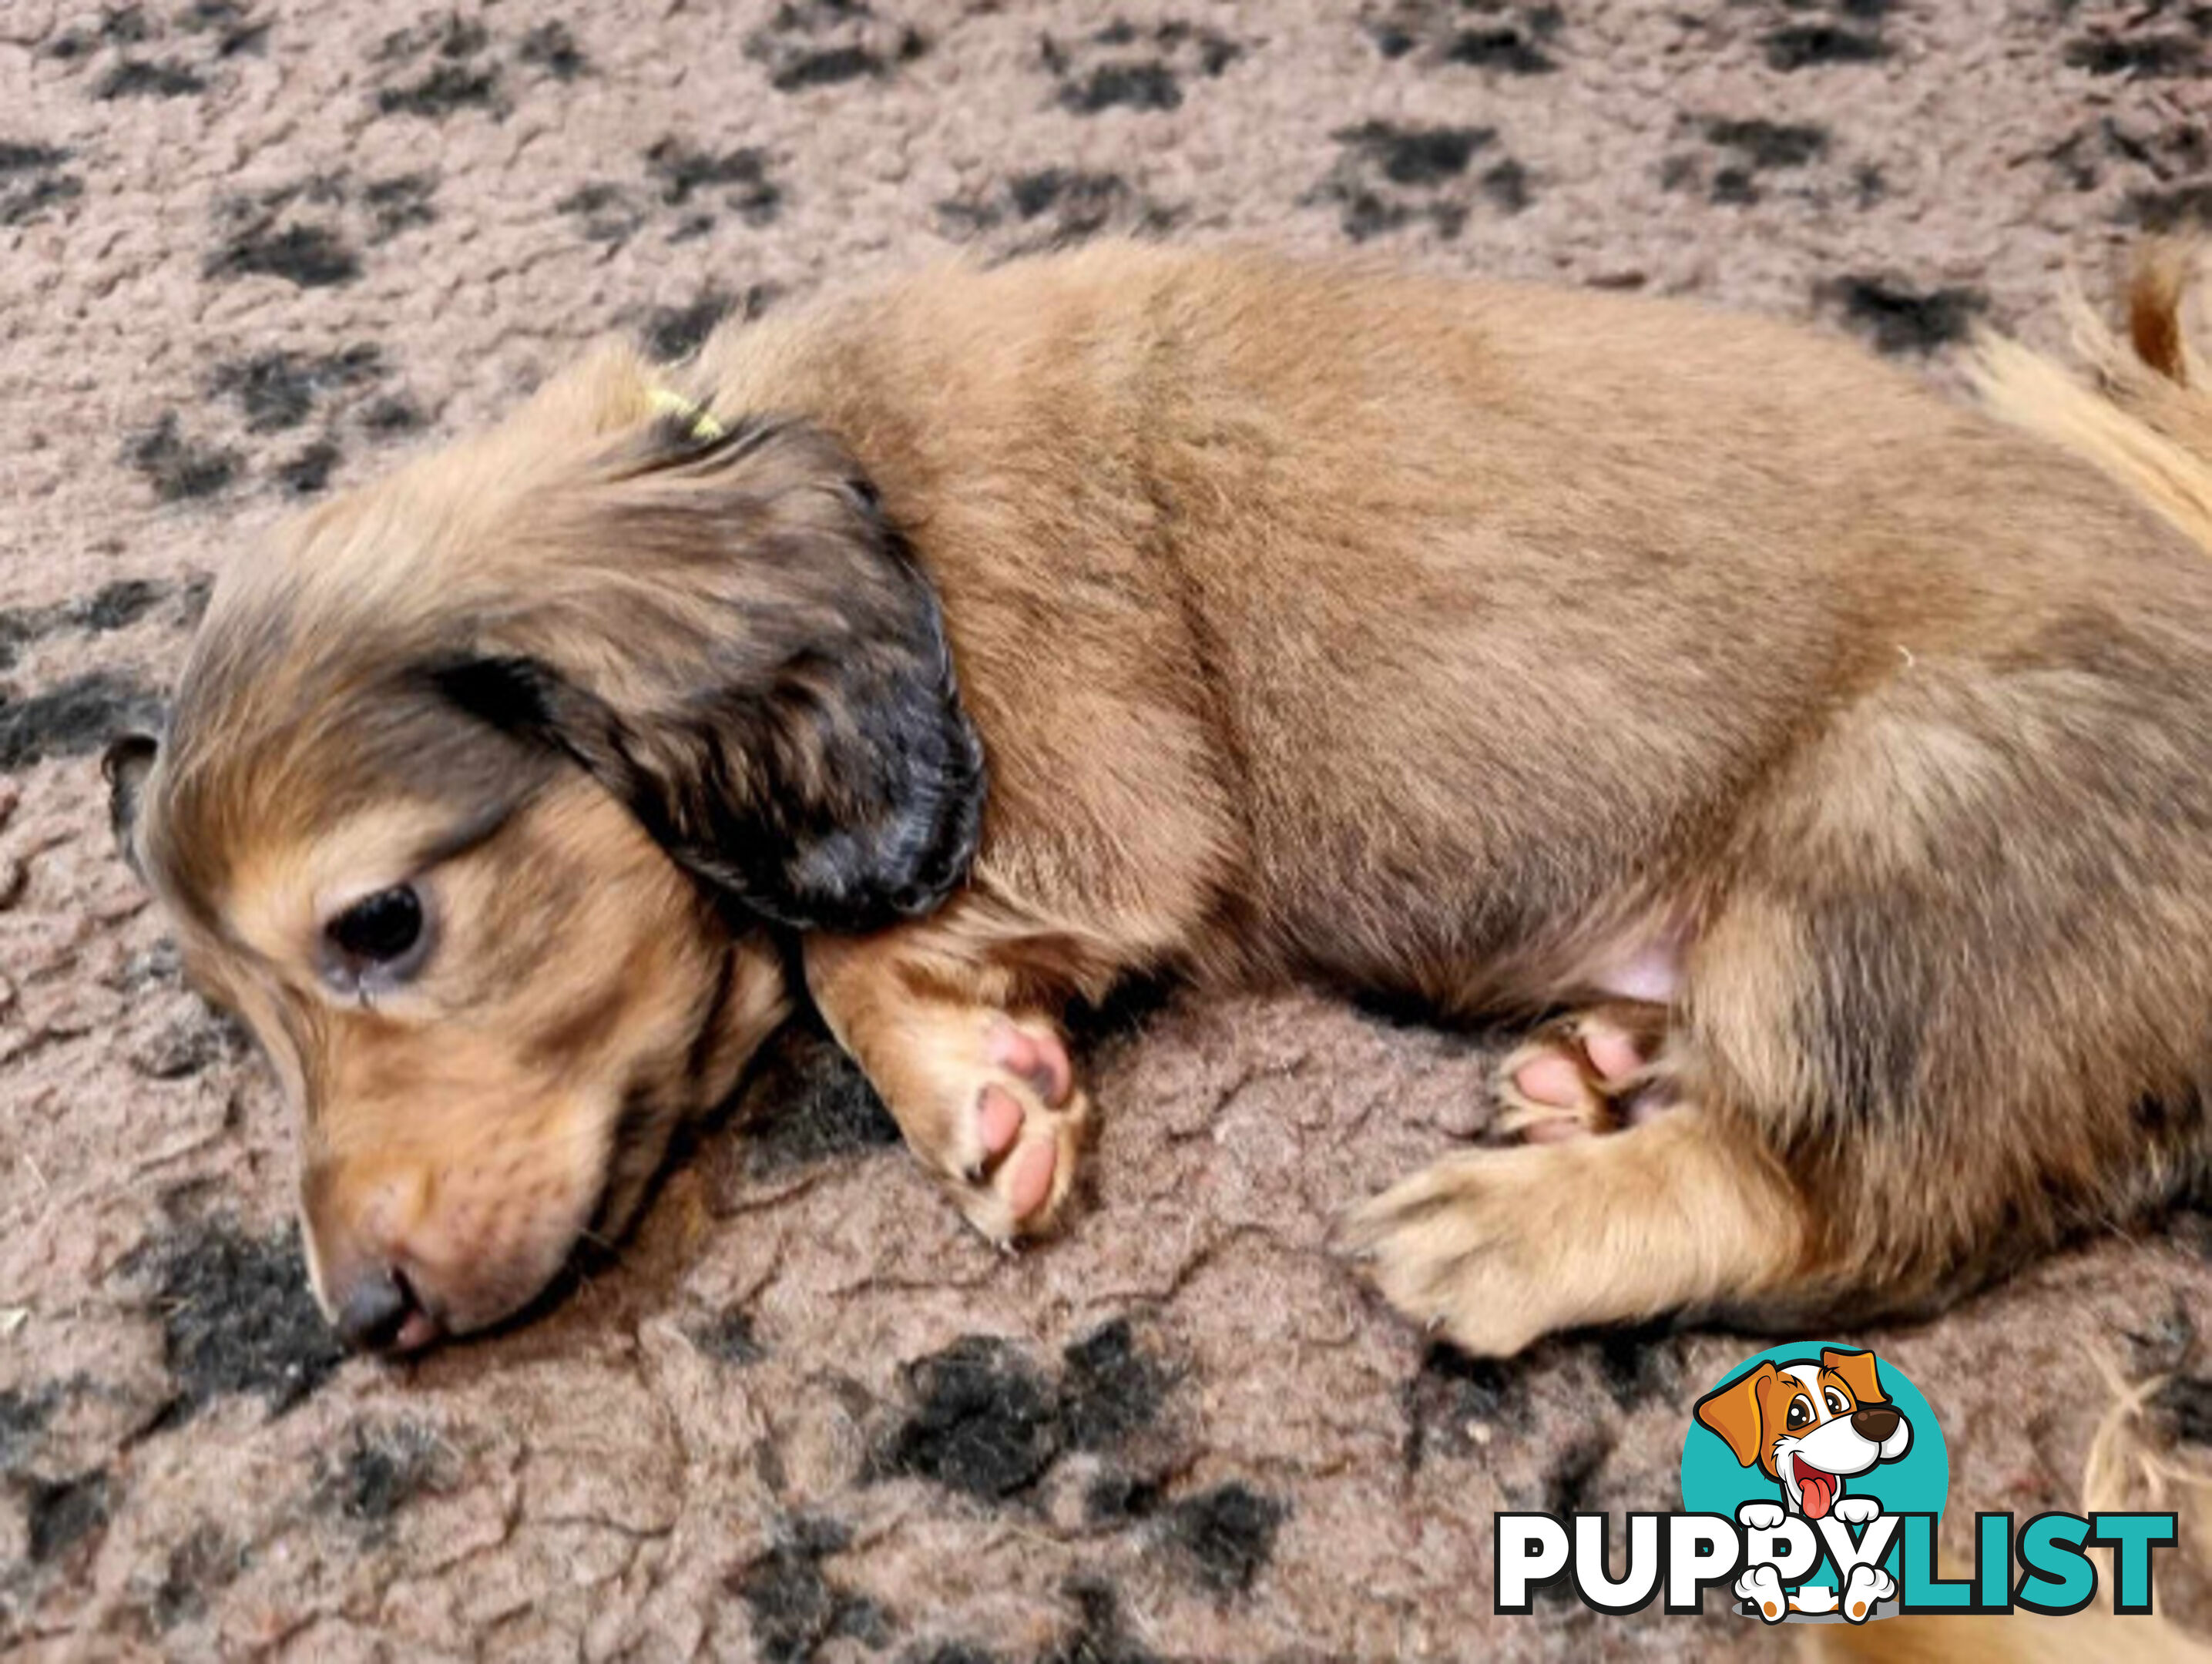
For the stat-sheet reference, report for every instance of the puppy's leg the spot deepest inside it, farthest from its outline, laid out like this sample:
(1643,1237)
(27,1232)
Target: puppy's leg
(1949,1009)
(1495,1248)
(980,1083)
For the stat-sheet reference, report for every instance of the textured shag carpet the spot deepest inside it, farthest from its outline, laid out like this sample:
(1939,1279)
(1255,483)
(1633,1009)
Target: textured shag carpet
(252,252)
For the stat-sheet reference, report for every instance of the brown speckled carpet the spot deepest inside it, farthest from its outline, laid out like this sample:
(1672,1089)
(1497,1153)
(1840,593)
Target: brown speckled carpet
(252,251)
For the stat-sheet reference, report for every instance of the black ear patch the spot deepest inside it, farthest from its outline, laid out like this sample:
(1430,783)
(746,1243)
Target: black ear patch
(792,737)
(126,765)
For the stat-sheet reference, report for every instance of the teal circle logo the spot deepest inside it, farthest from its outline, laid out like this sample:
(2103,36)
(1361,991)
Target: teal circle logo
(1806,1426)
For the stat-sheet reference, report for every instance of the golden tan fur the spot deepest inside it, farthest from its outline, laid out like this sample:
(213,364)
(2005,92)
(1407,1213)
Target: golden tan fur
(1471,643)
(2146,417)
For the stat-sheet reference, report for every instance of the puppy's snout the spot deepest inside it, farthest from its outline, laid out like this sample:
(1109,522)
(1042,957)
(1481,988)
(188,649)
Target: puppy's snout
(358,1235)
(1875,1423)
(379,1312)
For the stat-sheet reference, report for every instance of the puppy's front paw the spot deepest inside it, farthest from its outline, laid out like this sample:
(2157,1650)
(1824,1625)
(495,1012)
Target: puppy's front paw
(1857,1510)
(1863,1589)
(1482,1248)
(1009,1144)
(1759,1516)
(1762,1587)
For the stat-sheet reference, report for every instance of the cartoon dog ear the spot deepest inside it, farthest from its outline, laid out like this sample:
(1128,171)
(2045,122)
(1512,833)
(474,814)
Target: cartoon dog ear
(731,636)
(1859,1373)
(125,764)
(1732,1410)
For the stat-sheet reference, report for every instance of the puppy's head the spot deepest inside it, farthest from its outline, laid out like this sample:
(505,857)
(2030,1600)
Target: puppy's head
(1809,1424)
(481,793)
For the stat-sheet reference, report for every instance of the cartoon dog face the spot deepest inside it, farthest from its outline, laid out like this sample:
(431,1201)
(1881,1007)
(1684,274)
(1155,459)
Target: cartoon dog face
(1809,1425)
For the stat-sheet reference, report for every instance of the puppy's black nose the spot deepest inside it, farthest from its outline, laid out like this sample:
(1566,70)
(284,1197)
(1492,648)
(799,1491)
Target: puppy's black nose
(375,1311)
(1875,1423)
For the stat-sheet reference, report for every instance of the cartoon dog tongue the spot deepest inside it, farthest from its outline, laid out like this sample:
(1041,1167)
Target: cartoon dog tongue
(1818,1489)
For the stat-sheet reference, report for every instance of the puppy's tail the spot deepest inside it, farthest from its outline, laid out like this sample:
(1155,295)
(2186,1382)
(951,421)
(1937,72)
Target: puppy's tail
(2142,408)
(2132,1466)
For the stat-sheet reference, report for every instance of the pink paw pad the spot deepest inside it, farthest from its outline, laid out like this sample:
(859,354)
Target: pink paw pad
(1022,1168)
(1584,1074)
(1040,1059)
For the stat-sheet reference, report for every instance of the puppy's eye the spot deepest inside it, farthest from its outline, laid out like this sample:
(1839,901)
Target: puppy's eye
(1800,1412)
(380,928)
(1837,1403)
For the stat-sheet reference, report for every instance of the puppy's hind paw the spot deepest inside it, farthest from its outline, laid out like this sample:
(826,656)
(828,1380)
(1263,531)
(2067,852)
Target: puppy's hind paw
(1588,1072)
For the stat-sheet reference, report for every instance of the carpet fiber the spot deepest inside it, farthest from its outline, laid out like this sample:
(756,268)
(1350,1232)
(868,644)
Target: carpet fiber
(254,252)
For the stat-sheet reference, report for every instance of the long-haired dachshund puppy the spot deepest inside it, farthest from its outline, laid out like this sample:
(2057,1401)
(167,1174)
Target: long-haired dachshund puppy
(1837,761)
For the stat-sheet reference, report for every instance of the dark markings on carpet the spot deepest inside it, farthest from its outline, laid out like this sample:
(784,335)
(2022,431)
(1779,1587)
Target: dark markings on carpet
(274,391)
(399,203)
(73,719)
(2182,208)
(984,1420)
(1819,46)
(205,1562)
(795,1607)
(1506,184)
(1763,144)
(24,1414)
(390,416)
(236,1316)
(1897,318)
(683,171)
(552,48)
(140,77)
(1416,155)
(379,1470)
(1573,1474)
(2139,56)
(805,1102)
(729,1336)
(2186,1403)
(1117,1497)
(608,213)
(1148,84)
(1099,1635)
(188,1045)
(304,252)
(233,29)
(445,90)
(1450,1397)
(1225,1535)
(1640,1364)
(1110,1388)
(62,1514)
(179,468)
(114,606)
(1507,49)
(308,473)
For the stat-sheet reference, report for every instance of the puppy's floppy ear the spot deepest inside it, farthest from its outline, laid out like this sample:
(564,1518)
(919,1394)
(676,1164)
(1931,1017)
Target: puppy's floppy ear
(1859,1373)
(728,633)
(125,764)
(1732,1410)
